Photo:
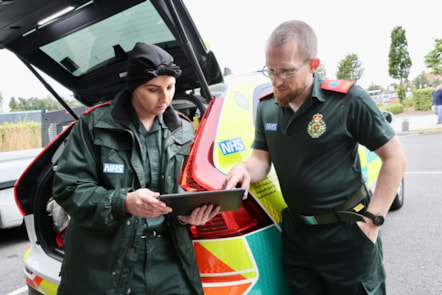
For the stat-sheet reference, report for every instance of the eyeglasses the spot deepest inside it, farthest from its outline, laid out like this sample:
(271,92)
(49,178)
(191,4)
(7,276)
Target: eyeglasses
(284,75)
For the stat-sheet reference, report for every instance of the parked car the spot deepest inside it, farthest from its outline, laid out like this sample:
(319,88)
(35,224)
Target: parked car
(12,165)
(238,252)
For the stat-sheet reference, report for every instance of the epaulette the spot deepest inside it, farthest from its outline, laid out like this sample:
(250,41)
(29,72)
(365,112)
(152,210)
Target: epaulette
(96,107)
(267,95)
(337,85)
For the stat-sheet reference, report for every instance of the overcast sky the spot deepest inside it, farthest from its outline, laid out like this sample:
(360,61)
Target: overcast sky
(236,31)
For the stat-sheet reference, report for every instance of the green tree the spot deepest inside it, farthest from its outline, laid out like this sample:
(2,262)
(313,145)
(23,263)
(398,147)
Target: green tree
(34,103)
(420,81)
(350,68)
(73,103)
(433,60)
(399,61)
(437,81)
(48,103)
(12,104)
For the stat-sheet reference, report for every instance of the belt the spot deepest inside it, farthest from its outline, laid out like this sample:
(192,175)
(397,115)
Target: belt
(147,234)
(349,211)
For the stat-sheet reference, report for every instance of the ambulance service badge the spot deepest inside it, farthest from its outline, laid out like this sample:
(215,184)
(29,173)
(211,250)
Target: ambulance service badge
(317,126)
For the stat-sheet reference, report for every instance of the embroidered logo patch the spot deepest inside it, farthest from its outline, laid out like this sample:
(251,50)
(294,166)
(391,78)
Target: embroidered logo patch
(317,126)
(271,126)
(113,168)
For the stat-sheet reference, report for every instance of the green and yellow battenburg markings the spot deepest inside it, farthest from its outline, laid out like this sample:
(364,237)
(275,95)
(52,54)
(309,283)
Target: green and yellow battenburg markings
(43,286)
(370,165)
(234,140)
(226,266)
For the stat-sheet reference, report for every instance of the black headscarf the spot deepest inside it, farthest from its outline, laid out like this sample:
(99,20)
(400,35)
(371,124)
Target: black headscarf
(146,62)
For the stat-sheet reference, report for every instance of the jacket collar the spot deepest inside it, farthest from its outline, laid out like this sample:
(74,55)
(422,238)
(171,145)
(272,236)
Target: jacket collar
(317,91)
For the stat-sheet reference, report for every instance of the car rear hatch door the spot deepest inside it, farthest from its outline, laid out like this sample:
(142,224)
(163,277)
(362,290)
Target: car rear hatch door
(86,49)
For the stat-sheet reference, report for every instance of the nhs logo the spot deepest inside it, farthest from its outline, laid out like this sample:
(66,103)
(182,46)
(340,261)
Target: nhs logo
(113,168)
(271,126)
(231,146)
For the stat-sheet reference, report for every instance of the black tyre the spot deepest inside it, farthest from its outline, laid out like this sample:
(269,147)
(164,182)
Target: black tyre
(32,291)
(399,200)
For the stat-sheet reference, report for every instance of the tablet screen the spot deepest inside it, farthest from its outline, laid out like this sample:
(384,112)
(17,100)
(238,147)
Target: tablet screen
(184,203)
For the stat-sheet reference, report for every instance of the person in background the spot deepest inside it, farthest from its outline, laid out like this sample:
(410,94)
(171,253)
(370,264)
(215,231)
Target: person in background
(437,102)
(116,162)
(310,131)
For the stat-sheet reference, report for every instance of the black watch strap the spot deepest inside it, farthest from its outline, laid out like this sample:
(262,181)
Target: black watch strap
(378,219)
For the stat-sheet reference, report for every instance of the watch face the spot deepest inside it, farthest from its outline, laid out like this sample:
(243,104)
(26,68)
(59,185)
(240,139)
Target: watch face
(378,220)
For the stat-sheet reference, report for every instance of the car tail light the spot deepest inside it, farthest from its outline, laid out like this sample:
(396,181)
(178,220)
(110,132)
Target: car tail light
(200,173)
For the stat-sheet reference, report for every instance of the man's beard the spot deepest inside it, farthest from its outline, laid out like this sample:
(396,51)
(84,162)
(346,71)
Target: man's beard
(284,100)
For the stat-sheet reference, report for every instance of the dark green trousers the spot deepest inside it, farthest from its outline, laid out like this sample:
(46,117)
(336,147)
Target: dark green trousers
(331,259)
(158,271)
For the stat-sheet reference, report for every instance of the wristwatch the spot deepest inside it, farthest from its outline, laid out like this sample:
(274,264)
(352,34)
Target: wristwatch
(378,219)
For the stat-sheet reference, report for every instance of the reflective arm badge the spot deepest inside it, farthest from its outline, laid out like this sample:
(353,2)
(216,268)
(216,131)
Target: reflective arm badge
(337,85)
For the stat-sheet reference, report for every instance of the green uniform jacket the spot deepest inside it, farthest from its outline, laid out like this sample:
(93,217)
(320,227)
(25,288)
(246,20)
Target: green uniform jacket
(100,163)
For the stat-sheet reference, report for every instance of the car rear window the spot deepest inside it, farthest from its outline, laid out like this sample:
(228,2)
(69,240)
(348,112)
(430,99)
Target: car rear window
(92,46)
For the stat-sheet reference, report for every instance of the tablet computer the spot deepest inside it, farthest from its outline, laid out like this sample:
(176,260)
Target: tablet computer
(184,203)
